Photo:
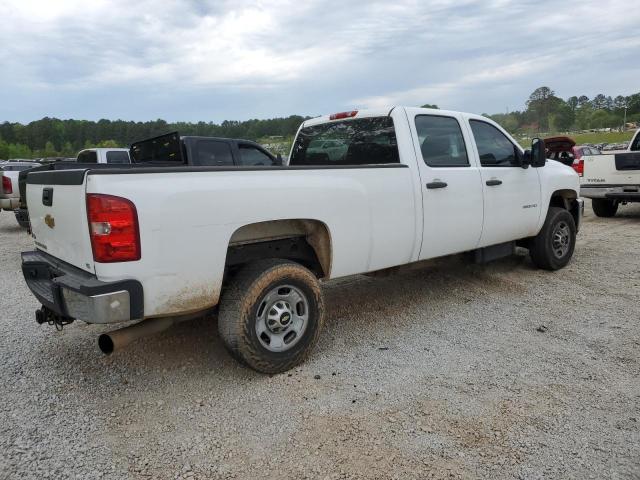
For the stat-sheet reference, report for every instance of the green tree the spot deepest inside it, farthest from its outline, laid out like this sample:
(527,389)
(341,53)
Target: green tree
(429,105)
(4,150)
(599,102)
(600,119)
(583,100)
(542,103)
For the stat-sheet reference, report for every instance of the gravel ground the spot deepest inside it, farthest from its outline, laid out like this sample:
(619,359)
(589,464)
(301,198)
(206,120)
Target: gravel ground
(440,373)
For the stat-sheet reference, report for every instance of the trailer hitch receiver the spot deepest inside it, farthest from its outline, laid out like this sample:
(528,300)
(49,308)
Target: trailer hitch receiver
(46,315)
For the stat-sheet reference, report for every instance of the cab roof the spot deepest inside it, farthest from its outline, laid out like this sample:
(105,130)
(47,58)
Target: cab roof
(378,112)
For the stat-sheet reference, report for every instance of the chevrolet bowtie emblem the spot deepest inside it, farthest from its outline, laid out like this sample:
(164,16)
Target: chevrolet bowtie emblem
(50,221)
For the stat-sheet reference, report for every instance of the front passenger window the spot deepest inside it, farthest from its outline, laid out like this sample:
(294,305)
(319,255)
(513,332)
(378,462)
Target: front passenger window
(494,148)
(252,156)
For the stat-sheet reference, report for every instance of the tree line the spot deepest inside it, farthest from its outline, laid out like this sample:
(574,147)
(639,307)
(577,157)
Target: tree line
(544,112)
(52,137)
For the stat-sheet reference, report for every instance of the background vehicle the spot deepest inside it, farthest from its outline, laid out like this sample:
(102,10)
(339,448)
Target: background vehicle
(612,179)
(172,149)
(103,156)
(9,191)
(162,244)
(565,151)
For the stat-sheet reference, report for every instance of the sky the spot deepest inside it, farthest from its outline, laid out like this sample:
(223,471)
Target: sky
(188,60)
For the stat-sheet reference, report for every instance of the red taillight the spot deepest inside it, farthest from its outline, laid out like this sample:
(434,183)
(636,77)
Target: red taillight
(578,166)
(113,227)
(338,116)
(6,185)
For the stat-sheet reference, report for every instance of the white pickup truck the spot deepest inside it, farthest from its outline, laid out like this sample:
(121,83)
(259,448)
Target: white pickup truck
(612,179)
(9,191)
(406,185)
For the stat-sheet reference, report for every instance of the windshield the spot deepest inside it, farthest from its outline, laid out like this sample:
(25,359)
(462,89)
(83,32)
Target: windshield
(365,141)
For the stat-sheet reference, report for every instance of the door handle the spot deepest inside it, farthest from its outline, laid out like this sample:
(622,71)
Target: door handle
(493,183)
(432,185)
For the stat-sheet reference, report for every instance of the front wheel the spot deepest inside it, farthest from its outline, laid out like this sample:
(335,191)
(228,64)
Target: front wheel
(553,247)
(271,315)
(603,207)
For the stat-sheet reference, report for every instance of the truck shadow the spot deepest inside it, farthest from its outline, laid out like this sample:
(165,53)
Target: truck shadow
(354,305)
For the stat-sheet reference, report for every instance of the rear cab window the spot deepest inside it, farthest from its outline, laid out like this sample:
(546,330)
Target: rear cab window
(362,141)
(117,156)
(635,145)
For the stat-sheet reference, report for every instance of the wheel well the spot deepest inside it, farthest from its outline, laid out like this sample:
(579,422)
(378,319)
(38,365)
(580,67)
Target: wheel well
(566,199)
(307,242)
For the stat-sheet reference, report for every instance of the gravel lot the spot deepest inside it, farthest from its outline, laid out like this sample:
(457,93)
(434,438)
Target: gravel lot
(436,373)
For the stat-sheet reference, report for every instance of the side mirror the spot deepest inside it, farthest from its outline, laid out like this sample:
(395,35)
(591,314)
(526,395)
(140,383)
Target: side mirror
(538,153)
(278,161)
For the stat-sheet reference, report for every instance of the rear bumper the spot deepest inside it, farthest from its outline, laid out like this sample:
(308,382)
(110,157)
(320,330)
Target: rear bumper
(74,293)
(610,191)
(9,203)
(624,196)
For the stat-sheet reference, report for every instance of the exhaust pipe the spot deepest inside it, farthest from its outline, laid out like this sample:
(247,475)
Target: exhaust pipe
(117,339)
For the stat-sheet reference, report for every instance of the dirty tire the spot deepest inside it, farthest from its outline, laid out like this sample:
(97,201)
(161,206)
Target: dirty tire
(603,207)
(239,310)
(543,253)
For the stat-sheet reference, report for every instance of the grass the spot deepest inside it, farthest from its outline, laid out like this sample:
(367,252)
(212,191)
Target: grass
(591,137)
(602,137)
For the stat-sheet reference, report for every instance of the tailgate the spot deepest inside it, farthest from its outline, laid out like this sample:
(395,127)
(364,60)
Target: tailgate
(58,213)
(612,169)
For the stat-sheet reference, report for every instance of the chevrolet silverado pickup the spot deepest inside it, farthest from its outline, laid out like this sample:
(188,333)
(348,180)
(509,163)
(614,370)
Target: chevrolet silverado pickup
(611,180)
(362,192)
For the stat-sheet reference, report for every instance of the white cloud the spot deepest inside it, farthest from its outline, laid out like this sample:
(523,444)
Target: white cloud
(285,56)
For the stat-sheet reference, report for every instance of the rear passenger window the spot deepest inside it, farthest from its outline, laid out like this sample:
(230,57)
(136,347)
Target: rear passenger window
(213,153)
(494,148)
(364,141)
(250,155)
(441,141)
(118,156)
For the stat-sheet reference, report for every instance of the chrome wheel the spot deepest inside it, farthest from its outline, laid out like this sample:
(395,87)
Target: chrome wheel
(561,239)
(282,318)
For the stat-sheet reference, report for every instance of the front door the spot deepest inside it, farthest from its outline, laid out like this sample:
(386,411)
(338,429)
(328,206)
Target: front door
(511,193)
(451,187)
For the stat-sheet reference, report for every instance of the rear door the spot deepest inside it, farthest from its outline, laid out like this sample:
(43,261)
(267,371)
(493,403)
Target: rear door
(451,188)
(58,215)
(511,193)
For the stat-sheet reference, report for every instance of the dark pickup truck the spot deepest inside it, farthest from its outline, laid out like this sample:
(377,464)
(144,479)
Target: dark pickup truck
(168,150)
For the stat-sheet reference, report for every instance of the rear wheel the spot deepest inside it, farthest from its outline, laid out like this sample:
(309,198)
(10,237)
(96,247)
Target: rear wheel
(603,207)
(553,247)
(271,315)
